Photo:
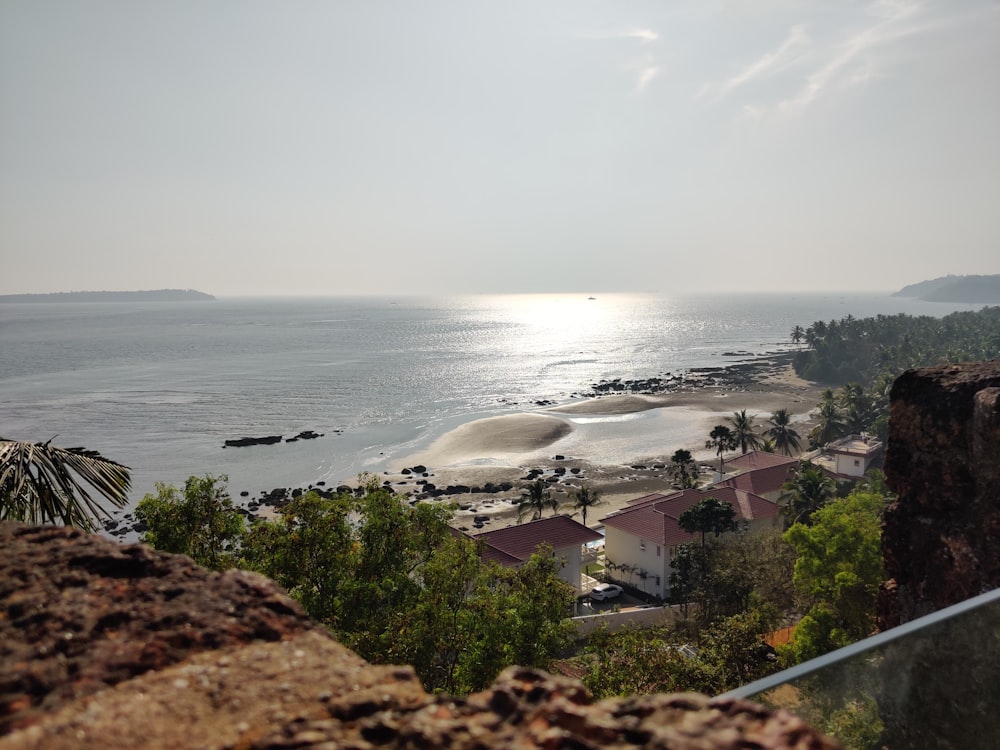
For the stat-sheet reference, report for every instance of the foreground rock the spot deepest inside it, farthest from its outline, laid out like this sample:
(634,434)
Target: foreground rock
(942,537)
(110,646)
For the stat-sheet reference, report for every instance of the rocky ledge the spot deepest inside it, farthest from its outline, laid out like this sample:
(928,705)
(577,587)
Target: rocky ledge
(111,646)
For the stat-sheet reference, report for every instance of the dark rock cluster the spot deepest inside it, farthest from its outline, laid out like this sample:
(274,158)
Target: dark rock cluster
(244,442)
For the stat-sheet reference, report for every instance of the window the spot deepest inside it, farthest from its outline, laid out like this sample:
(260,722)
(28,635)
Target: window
(657,550)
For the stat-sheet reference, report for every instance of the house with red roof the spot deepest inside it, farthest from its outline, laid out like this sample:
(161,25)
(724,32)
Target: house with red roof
(759,473)
(644,536)
(513,545)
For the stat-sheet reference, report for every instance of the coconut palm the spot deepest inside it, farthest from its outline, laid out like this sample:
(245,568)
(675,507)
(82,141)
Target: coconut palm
(585,498)
(744,430)
(683,469)
(805,493)
(722,439)
(797,334)
(785,438)
(535,500)
(40,483)
(829,424)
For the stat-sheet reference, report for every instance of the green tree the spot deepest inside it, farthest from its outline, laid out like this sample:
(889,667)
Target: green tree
(721,438)
(683,469)
(785,437)
(40,483)
(309,550)
(805,493)
(201,522)
(395,583)
(584,499)
(830,424)
(720,656)
(798,333)
(838,570)
(744,430)
(642,661)
(708,516)
(535,500)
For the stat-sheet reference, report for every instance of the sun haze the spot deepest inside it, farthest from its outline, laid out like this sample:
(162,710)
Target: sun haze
(245,147)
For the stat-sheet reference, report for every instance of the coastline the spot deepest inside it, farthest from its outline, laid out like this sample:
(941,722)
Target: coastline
(618,445)
(616,441)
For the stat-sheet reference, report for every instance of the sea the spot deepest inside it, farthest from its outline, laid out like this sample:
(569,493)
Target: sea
(160,386)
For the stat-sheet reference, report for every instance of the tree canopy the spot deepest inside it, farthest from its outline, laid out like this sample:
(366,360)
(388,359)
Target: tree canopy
(200,522)
(395,583)
(838,570)
(860,350)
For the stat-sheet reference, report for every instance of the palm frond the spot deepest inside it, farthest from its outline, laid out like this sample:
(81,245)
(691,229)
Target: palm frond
(40,483)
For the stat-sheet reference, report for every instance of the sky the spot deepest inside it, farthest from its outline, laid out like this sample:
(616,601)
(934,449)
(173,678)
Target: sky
(249,147)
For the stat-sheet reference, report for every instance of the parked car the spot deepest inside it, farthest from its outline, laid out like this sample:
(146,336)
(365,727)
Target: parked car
(605,591)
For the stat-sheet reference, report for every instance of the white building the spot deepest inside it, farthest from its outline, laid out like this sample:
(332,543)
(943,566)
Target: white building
(641,540)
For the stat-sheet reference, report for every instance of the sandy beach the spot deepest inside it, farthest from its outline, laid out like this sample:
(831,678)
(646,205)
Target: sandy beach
(618,445)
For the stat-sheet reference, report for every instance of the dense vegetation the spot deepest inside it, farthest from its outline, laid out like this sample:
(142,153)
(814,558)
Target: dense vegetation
(865,350)
(393,582)
(736,589)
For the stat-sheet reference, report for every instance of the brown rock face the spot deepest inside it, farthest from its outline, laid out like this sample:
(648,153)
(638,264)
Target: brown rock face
(106,646)
(80,614)
(941,540)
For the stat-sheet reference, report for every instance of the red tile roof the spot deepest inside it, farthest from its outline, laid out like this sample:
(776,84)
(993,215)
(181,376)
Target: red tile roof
(760,460)
(657,517)
(516,544)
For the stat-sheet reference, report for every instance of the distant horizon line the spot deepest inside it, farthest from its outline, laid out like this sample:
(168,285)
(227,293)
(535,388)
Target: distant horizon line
(589,293)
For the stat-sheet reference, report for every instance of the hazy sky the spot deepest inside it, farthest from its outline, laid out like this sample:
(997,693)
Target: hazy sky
(292,147)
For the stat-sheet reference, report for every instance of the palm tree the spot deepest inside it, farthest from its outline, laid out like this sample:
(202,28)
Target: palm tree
(744,430)
(797,334)
(785,438)
(805,493)
(535,500)
(722,439)
(585,498)
(684,469)
(829,424)
(40,483)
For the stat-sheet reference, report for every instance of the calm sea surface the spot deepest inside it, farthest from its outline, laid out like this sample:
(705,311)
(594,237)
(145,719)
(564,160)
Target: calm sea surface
(160,386)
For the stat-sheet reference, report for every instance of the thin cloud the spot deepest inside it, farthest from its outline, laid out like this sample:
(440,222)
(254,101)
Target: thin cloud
(766,65)
(646,76)
(847,63)
(644,36)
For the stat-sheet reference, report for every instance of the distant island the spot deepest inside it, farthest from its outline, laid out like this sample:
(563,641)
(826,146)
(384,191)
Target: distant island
(152,295)
(974,289)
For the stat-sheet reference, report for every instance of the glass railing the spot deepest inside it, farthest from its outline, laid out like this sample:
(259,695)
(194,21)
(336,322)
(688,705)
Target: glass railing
(931,683)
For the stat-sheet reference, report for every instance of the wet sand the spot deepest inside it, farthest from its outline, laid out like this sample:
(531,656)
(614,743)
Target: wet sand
(618,445)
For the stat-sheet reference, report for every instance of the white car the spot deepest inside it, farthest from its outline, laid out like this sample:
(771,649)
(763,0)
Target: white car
(605,591)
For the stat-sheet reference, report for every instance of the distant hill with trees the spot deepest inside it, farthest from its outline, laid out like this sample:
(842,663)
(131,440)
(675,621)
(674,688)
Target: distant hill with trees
(974,289)
(153,295)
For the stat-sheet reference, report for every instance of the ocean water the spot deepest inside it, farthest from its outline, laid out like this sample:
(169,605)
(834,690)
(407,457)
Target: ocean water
(160,386)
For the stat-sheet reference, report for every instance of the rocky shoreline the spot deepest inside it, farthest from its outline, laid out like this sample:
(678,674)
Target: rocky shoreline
(488,495)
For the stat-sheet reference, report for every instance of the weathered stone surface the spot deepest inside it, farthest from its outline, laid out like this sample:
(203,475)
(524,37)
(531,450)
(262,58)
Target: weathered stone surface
(107,646)
(79,613)
(941,540)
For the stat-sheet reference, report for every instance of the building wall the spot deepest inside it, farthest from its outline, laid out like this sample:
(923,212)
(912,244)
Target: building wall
(851,465)
(625,549)
(572,569)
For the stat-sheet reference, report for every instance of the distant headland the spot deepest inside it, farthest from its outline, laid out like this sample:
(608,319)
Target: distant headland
(152,295)
(974,289)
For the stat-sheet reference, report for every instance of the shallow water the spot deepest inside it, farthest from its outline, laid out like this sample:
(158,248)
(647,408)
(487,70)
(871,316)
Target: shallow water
(160,386)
